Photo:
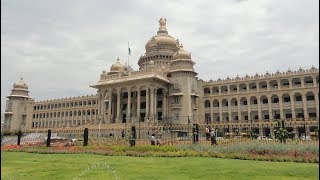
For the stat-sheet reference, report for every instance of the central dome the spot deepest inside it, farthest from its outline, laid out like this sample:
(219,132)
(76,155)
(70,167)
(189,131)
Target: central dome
(162,40)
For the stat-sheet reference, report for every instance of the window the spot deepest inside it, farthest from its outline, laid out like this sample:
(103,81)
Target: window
(246,118)
(266,116)
(177,100)
(176,116)
(255,101)
(245,102)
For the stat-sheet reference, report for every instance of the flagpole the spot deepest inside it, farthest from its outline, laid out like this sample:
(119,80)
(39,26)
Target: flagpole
(128,54)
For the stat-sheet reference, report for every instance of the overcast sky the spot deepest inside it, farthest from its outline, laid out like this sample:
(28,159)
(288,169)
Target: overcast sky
(60,47)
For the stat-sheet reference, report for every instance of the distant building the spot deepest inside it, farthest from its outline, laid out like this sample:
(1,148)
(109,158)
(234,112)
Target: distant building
(166,89)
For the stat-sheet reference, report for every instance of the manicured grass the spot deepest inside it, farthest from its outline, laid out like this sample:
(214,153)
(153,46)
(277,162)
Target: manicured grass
(19,165)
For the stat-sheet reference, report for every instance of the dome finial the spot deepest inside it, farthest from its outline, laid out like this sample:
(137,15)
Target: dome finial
(21,77)
(118,59)
(181,46)
(162,24)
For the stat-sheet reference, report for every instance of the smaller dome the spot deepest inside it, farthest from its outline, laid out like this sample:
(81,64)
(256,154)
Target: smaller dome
(118,67)
(20,84)
(181,54)
(151,62)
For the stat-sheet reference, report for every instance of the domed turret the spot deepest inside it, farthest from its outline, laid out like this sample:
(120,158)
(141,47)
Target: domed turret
(20,89)
(117,67)
(181,54)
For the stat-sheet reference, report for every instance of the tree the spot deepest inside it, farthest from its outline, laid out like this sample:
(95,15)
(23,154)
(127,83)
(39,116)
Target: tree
(281,133)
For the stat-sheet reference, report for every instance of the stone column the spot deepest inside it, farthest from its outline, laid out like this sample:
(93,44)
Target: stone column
(138,104)
(293,110)
(164,103)
(211,111)
(314,79)
(258,88)
(129,107)
(270,107)
(296,135)
(118,106)
(281,107)
(302,82)
(290,83)
(239,109)
(272,132)
(259,108)
(268,85)
(147,103)
(316,97)
(155,104)
(247,86)
(229,110)
(260,130)
(109,108)
(238,86)
(305,111)
(279,84)
(151,102)
(229,90)
(249,108)
(220,110)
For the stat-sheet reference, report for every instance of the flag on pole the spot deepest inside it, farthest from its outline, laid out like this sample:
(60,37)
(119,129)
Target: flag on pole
(129,50)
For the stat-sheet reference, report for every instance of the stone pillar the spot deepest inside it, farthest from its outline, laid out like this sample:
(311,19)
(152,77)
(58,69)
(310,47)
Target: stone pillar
(151,102)
(109,108)
(211,111)
(270,107)
(229,90)
(238,86)
(316,97)
(279,84)
(155,104)
(260,130)
(138,104)
(290,83)
(258,88)
(305,111)
(314,79)
(147,103)
(220,110)
(164,103)
(129,107)
(239,109)
(302,82)
(118,106)
(293,110)
(259,108)
(247,86)
(249,108)
(229,110)
(296,135)
(281,107)
(272,132)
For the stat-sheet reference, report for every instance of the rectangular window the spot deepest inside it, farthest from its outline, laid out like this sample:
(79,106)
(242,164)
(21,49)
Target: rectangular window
(266,116)
(245,102)
(246,118)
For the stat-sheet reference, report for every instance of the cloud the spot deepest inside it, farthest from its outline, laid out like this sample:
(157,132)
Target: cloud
(60,47)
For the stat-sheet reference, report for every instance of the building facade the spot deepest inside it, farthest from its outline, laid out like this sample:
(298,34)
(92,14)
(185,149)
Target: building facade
(166,89)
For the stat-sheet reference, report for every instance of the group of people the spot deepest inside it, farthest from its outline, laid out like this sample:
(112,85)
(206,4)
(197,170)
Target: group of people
(211,135)
(154,141)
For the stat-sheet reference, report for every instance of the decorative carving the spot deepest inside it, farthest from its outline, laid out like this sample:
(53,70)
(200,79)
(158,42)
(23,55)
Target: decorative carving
(162,24)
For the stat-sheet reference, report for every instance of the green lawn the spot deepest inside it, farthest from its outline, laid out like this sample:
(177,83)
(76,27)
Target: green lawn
(18,165)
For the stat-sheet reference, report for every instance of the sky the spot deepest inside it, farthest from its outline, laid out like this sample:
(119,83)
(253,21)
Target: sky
(61,47)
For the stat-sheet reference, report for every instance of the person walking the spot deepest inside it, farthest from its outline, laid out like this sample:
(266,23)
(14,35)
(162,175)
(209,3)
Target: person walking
(213,137)
(152,139)
(207,133)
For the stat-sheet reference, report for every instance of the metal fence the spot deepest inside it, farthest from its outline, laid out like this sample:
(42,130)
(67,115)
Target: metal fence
(164,135)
